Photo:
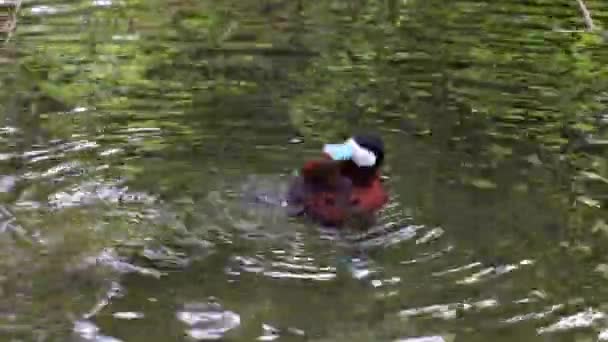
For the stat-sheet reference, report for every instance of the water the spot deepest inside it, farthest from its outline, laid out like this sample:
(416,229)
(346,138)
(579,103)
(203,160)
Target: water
(144,148)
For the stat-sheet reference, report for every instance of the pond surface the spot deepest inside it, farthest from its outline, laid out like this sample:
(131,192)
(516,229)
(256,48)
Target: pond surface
(134,136)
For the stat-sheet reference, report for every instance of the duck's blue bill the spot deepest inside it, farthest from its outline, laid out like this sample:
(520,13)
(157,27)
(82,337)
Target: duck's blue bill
(339,151)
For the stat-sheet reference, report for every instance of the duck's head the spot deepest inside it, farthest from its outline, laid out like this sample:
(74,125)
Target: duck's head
(365,151)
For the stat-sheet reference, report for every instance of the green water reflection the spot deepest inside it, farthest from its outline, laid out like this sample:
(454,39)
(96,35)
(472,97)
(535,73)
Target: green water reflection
(131,130)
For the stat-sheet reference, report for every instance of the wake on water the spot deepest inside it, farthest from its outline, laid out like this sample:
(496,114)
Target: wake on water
(266,197)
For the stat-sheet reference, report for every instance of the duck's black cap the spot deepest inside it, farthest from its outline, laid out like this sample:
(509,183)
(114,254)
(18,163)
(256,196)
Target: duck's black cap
(374,143)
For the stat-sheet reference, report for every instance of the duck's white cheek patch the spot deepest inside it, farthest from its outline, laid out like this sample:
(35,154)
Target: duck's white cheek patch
(362,156)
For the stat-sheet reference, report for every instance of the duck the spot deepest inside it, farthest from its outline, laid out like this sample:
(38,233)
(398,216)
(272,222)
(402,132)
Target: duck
(343,185)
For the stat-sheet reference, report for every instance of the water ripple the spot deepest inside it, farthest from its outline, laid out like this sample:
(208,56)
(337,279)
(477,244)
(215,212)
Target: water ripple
(579,320)
(110,258)
(449,311)
(493,272)
(280,269)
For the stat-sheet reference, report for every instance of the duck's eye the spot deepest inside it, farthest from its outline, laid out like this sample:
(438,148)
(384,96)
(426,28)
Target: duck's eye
(330,201)
(355,201)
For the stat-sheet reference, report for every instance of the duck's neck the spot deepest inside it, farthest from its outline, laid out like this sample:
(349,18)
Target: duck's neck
(359,176)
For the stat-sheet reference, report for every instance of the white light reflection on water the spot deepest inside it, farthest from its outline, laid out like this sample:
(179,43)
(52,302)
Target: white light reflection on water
(207,321)
(86,331)
(579,320)
(491,272)
(449,311)
(423,339)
